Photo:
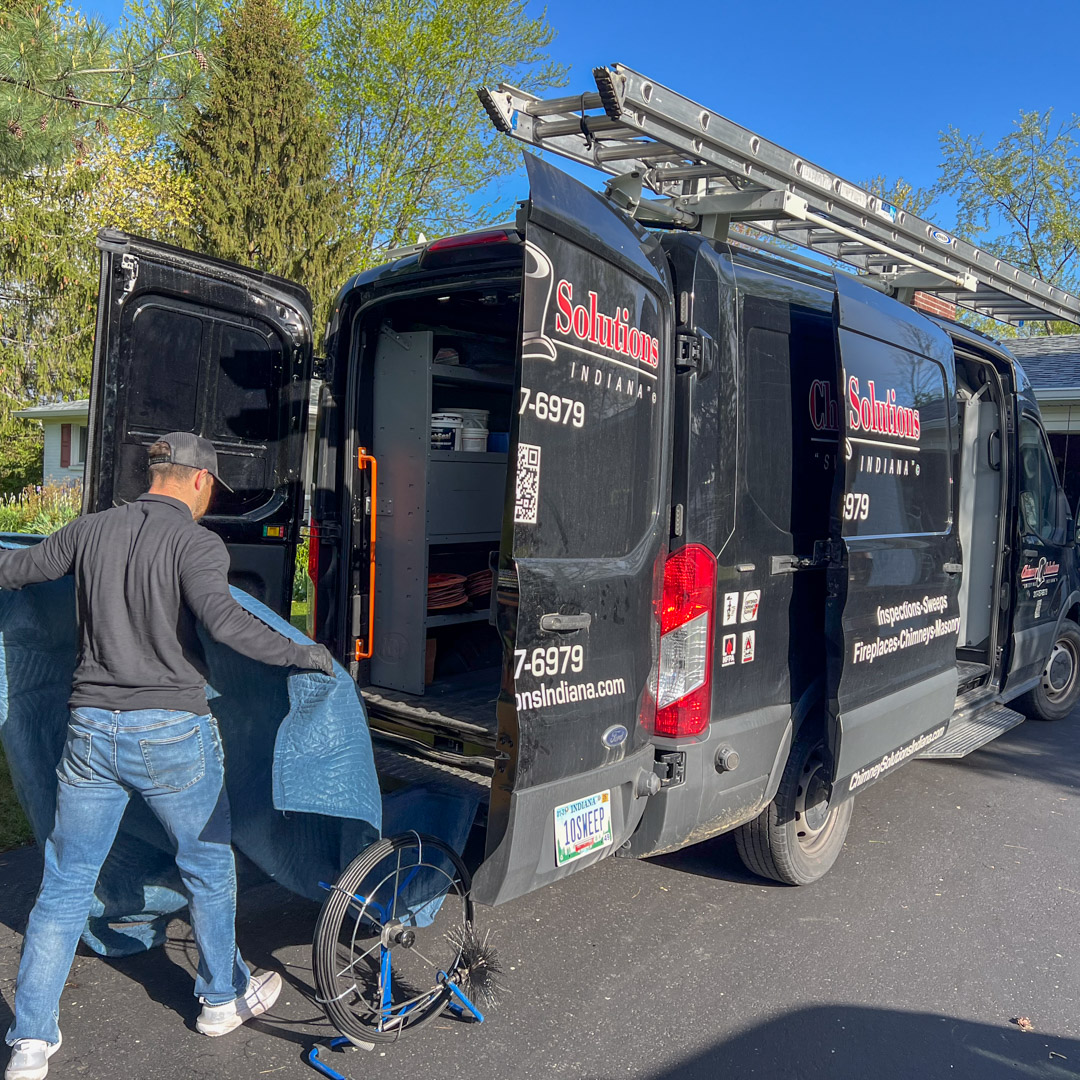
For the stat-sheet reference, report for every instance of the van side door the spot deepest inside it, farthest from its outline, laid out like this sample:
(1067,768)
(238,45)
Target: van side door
(892,611)
(584,540)
(185,342)
(1042,527)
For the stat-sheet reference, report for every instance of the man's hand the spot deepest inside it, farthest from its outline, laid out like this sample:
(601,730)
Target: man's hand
(319,658)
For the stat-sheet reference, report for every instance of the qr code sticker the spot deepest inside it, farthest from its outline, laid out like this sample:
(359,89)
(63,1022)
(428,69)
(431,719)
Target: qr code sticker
(527,495)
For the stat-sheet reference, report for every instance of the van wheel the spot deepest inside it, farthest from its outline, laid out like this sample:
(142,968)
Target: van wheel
(1059,688)
(798,836)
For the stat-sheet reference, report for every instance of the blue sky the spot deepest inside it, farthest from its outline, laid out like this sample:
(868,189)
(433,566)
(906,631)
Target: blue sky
(858,88)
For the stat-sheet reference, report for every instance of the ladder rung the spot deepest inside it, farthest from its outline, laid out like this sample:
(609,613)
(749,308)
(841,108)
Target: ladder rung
(573,103)
(690,152)
(645,152)
(552,129)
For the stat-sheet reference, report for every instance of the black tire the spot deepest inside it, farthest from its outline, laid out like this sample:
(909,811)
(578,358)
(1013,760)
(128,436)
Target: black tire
(1059,687)
(790,841)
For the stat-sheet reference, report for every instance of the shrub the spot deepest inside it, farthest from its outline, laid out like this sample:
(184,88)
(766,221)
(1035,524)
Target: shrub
(300,578)
(40,509)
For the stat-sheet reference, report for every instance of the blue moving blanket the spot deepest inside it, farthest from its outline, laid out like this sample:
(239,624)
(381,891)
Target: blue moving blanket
(298,766)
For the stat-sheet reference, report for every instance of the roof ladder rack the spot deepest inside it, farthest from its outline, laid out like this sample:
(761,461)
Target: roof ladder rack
(709,172)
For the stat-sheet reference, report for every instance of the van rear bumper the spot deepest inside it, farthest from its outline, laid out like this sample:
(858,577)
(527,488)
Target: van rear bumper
(525,858)
(709,802)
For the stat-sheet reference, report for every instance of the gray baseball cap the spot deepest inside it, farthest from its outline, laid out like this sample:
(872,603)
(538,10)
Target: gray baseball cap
(191,450)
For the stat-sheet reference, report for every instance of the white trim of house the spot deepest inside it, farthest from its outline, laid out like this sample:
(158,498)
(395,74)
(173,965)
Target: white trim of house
(52,418)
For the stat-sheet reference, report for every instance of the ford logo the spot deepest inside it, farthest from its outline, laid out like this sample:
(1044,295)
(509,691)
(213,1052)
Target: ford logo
(614,736)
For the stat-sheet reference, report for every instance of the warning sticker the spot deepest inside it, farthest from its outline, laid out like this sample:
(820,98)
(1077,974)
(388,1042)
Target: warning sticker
(750,602)
(731,608)
(748,646)
(729,650)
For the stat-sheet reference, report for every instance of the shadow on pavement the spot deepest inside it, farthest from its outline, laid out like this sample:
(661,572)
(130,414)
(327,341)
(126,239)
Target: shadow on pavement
(1046,751)
(715,858)
(849,1041)
(269,920)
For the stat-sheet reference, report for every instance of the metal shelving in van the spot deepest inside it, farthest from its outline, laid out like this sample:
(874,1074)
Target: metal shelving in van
(437,508)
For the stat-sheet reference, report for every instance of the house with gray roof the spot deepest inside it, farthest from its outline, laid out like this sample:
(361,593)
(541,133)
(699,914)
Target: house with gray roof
(64,425)
(1053,366)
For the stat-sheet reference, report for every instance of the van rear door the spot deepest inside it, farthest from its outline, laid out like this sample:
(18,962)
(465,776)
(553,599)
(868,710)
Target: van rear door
(584,541)
(894,571)
(189,343)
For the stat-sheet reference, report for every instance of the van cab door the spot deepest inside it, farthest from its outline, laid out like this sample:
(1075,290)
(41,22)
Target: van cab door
(581,564)
(892,611)
(1043,526)
(189,343)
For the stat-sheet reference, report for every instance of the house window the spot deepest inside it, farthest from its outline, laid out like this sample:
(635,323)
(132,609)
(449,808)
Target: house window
(80,457)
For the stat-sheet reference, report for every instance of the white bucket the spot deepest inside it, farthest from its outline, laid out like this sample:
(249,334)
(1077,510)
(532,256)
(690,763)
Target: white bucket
(474,431)
(446,431)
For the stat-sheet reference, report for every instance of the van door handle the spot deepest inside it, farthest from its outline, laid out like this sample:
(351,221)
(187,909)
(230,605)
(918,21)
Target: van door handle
(953,568)
(565,624)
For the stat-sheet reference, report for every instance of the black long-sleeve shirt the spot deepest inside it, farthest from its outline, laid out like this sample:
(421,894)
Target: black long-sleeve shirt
(144,574)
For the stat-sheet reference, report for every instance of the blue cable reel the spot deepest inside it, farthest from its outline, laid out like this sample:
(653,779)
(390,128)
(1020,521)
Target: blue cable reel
(396,946)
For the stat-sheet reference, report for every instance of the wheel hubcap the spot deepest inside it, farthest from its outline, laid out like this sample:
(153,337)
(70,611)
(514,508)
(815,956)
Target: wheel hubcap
(1060,670)
(813,814)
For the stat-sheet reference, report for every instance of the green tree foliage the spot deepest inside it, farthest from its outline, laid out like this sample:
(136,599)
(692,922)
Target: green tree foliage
(1020,198)
(63,78)
(901,193)
(258,156)
(398,80)
(49,271)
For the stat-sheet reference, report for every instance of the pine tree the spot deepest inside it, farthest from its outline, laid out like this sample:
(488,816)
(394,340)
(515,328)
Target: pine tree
(259,159)
(64,80)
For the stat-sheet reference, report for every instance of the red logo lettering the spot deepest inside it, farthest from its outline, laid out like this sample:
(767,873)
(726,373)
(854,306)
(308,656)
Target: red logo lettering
(612,332)
(880,416)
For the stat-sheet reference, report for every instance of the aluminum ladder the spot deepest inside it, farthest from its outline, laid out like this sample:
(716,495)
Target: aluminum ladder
(710,172)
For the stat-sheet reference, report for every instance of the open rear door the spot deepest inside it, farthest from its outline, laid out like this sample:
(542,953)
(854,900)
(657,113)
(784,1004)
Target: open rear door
(189,343)
(894,571)
(584,540)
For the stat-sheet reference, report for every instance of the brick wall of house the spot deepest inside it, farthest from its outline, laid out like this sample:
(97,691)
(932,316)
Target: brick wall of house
(933,305)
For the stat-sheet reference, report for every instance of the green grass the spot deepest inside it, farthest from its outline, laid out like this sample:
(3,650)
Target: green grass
(298,616)
(14,828)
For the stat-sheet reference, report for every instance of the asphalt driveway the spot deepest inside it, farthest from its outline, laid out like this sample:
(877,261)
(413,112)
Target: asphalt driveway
(954,909)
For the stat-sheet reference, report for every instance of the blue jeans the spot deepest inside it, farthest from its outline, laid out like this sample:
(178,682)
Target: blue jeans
(174,760)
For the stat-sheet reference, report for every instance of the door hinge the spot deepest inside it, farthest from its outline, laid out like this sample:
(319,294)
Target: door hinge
(670,766)
(130,266)
(320,365)
(690,353)
(788,564)
(827,552)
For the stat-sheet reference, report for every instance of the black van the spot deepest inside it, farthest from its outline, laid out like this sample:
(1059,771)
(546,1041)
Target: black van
(743,536)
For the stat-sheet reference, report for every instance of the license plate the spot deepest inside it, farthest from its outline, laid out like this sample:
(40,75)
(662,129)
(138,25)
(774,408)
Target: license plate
(582,826)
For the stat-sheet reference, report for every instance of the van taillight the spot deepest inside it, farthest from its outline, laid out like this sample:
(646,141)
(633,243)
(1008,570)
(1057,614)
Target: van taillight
(686,630)
(313,577)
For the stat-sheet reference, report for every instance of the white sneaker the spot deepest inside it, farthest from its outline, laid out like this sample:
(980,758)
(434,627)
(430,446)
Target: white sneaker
(30,1059)
(214,1020)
